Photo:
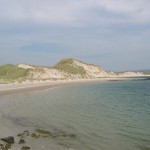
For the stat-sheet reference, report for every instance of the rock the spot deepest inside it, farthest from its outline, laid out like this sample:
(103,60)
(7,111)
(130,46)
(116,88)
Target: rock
(34,135)
(9,140)
(21,141)
(3,148)
(8,146)
(26,131)
(41,131)
(25,148)
(4,145)
(19,135)
(24,134)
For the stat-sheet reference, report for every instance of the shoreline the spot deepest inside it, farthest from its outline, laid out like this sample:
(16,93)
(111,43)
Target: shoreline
(42,85)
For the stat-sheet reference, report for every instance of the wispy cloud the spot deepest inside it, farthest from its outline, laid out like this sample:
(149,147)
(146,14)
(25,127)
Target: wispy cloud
(71,11)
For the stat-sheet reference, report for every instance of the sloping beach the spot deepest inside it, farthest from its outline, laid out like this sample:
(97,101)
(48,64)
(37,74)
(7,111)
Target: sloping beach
(41,85)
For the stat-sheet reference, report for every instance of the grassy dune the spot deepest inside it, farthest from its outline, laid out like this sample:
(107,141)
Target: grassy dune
(67,66)
(12,72)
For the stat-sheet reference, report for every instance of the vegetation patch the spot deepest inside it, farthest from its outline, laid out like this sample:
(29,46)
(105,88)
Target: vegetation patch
(12,72)
(42,131)
(146,73)
(66,65)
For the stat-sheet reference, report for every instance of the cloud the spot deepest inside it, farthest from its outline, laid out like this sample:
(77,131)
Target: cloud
(97,31)
(44,12)
(72,12)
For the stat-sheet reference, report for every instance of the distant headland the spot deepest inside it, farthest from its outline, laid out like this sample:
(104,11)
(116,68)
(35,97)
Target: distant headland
(65,69)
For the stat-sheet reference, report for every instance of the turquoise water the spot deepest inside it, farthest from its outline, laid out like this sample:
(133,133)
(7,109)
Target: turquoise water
(103,116)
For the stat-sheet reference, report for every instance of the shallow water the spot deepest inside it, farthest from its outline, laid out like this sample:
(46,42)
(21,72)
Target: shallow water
(103,116)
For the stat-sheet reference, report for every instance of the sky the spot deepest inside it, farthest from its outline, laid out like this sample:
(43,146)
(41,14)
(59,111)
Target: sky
(114,34)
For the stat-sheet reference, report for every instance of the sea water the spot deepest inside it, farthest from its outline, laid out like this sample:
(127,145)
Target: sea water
(102,115)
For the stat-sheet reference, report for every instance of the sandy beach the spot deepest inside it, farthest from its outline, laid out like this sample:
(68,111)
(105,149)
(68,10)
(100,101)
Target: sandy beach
(42,85)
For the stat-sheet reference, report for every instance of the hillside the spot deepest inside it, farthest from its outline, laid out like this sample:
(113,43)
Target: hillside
(70,69)
(11,72)
(68,66)
(66,69)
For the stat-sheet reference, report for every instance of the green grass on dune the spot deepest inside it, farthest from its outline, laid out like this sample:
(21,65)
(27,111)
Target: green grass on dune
(12,72)
(66,65)
(146,73)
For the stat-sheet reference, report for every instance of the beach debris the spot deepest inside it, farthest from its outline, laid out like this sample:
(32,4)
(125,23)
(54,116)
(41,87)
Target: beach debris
(9,140)
(25,148)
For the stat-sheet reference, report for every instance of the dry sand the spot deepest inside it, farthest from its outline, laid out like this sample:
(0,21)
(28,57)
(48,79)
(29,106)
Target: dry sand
(42,85)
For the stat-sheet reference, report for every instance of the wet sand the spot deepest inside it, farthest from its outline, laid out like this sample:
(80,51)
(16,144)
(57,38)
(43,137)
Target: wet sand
(37,86)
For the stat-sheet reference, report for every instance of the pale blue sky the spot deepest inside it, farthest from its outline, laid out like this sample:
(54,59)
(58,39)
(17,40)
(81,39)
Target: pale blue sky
(114,34)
